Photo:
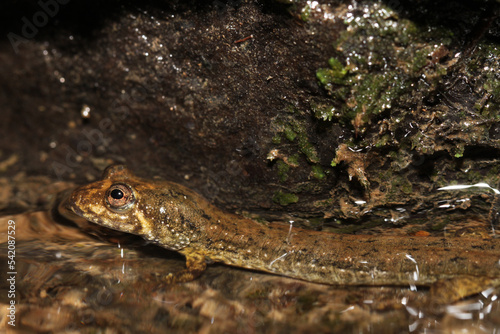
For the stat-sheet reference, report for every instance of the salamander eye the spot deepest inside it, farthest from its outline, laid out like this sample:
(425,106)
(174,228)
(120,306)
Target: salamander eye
(119,197)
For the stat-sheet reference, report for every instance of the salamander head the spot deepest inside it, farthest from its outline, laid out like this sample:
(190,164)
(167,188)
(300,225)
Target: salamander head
(124,202)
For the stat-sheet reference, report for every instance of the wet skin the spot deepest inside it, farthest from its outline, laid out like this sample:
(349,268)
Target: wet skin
(178,219)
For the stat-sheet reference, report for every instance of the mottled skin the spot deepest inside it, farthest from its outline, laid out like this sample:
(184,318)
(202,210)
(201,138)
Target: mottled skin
(178,219)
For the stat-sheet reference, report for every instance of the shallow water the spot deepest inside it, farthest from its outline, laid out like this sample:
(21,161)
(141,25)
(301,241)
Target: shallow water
(71,281)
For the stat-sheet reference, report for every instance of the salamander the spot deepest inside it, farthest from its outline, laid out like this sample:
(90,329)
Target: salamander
(175,217)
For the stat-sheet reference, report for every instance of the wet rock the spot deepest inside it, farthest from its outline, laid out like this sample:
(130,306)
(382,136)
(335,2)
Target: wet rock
(201,93)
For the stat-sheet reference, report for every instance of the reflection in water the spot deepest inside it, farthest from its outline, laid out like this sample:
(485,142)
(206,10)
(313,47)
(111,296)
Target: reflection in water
(414,276)
(71,281)
(467,186)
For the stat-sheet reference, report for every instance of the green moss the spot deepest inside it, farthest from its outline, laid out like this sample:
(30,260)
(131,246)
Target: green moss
(474,176)
(407,32)
(419,59)
(492,86)
(305,13)
(291,109)
(373,93)
(335,74)
(293,127)
(489,103)
(325,113)
(383,57)
(406,187)
(393,155)
(400,185)
(369,93)
(308,149)
(441,71)
(383,141)
(337,66)
(290,134)
(276,139)
(285,199)
(459,151)
(318,172)
(493,174)
(294,160)
(385,175)
(283,169)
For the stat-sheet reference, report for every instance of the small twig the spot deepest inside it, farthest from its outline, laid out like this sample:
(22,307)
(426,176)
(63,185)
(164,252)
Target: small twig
(243,39)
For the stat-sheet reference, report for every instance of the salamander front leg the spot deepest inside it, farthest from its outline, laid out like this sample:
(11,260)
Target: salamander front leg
(195,266)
